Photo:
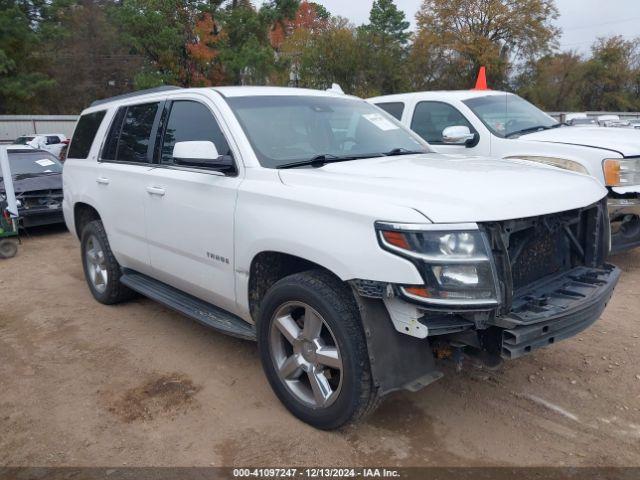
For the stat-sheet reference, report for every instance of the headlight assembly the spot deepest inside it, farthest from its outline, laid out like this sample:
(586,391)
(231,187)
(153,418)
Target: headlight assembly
(554,162)
(621,172)
(454,261)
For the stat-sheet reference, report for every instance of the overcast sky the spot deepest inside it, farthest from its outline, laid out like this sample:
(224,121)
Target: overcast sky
(582,21)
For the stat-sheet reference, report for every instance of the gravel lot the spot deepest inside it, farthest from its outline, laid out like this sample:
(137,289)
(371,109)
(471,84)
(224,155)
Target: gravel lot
(82,384)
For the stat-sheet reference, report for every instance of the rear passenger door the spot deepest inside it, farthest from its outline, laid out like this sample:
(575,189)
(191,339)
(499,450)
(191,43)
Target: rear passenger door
(125,161)
(190,211)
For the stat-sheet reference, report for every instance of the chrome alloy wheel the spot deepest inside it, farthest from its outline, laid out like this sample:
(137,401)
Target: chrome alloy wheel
(96,264)
(305,354)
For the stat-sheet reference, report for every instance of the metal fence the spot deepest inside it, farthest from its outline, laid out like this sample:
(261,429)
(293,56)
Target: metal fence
(14,126)
(560,116)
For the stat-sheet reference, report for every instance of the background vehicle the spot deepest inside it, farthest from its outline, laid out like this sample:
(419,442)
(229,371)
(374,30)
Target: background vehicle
(580,120)
(500,124)
(37,181)
(51,142)
(329,233)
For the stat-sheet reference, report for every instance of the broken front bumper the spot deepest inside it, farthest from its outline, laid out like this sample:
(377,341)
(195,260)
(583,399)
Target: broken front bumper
(556,309)
(624,214)
(35,217)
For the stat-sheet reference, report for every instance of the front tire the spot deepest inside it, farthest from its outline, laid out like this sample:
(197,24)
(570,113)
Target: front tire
(313,350)
(101,269)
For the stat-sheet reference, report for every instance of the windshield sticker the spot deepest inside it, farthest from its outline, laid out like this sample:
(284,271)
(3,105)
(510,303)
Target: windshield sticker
(45,162)
(380,122)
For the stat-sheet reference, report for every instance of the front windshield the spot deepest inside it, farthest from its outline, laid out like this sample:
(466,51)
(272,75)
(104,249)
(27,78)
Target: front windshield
(28,164)
(508,114)
(297,128)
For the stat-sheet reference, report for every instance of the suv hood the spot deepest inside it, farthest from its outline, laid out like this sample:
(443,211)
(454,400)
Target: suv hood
(448,188)
(624,141)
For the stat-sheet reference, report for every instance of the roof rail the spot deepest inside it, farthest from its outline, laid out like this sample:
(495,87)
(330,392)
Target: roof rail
(163,88)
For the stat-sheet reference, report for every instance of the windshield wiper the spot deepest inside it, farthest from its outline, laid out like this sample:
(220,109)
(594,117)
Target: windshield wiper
(402,151)
(537,128)
(323,159)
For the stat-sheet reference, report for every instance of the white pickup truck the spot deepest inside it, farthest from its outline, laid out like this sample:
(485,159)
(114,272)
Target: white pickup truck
(331,234)
(503,125)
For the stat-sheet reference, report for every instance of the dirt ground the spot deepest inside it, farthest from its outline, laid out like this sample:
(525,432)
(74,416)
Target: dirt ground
(82,384)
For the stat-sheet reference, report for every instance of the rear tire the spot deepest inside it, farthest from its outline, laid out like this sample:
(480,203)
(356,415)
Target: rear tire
(313,350)
(101,269)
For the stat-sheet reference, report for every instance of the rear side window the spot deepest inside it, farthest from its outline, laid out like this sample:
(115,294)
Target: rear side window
(191,121)
(431,118)
(394,109)
(130,134)
(84,134)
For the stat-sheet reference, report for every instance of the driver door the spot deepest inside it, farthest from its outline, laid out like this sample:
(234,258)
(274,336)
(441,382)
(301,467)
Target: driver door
(190,211)
(429,120)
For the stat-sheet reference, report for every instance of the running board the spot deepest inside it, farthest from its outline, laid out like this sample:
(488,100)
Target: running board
(190,306)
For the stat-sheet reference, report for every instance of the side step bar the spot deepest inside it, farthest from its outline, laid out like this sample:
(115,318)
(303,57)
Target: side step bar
(183,303)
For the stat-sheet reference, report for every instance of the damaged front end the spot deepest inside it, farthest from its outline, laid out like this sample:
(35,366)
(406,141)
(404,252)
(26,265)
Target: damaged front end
(40,207)
(520,285)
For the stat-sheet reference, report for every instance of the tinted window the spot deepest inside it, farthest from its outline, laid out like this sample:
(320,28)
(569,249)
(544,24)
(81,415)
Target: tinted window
(395,109)
(134,124)
(84,134)
(191,121)
(136,133)
(431,118)
(111,145)
(51,140)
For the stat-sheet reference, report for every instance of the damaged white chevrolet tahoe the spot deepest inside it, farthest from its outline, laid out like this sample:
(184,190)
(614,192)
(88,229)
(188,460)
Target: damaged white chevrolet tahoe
(319,226)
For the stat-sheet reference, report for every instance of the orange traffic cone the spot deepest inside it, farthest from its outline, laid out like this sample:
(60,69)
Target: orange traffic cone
(481,82)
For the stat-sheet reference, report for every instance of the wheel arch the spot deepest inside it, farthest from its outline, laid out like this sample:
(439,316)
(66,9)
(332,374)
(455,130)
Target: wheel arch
(83,213)
(267,267)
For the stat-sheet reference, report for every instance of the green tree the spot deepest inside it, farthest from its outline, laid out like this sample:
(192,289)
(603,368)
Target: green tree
(389,23)
(245,52)
(611,75)
(160,31)
(385,37)
(21,78)
(321,12)
(553,82)
(333,54)
(86,56)
(466,34)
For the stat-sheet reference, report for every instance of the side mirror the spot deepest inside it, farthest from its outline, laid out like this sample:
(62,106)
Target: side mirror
(458,135)
(200,154)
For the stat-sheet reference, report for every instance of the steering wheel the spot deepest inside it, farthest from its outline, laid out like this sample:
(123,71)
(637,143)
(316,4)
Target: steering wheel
(342,143)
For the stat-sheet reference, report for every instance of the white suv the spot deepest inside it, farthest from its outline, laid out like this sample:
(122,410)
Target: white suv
(319,226)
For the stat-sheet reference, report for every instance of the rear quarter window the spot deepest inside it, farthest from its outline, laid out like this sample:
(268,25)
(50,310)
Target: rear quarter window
(129,138)
(84,134)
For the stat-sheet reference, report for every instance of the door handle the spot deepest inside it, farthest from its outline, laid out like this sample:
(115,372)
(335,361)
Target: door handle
(102,180)
(155,191)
